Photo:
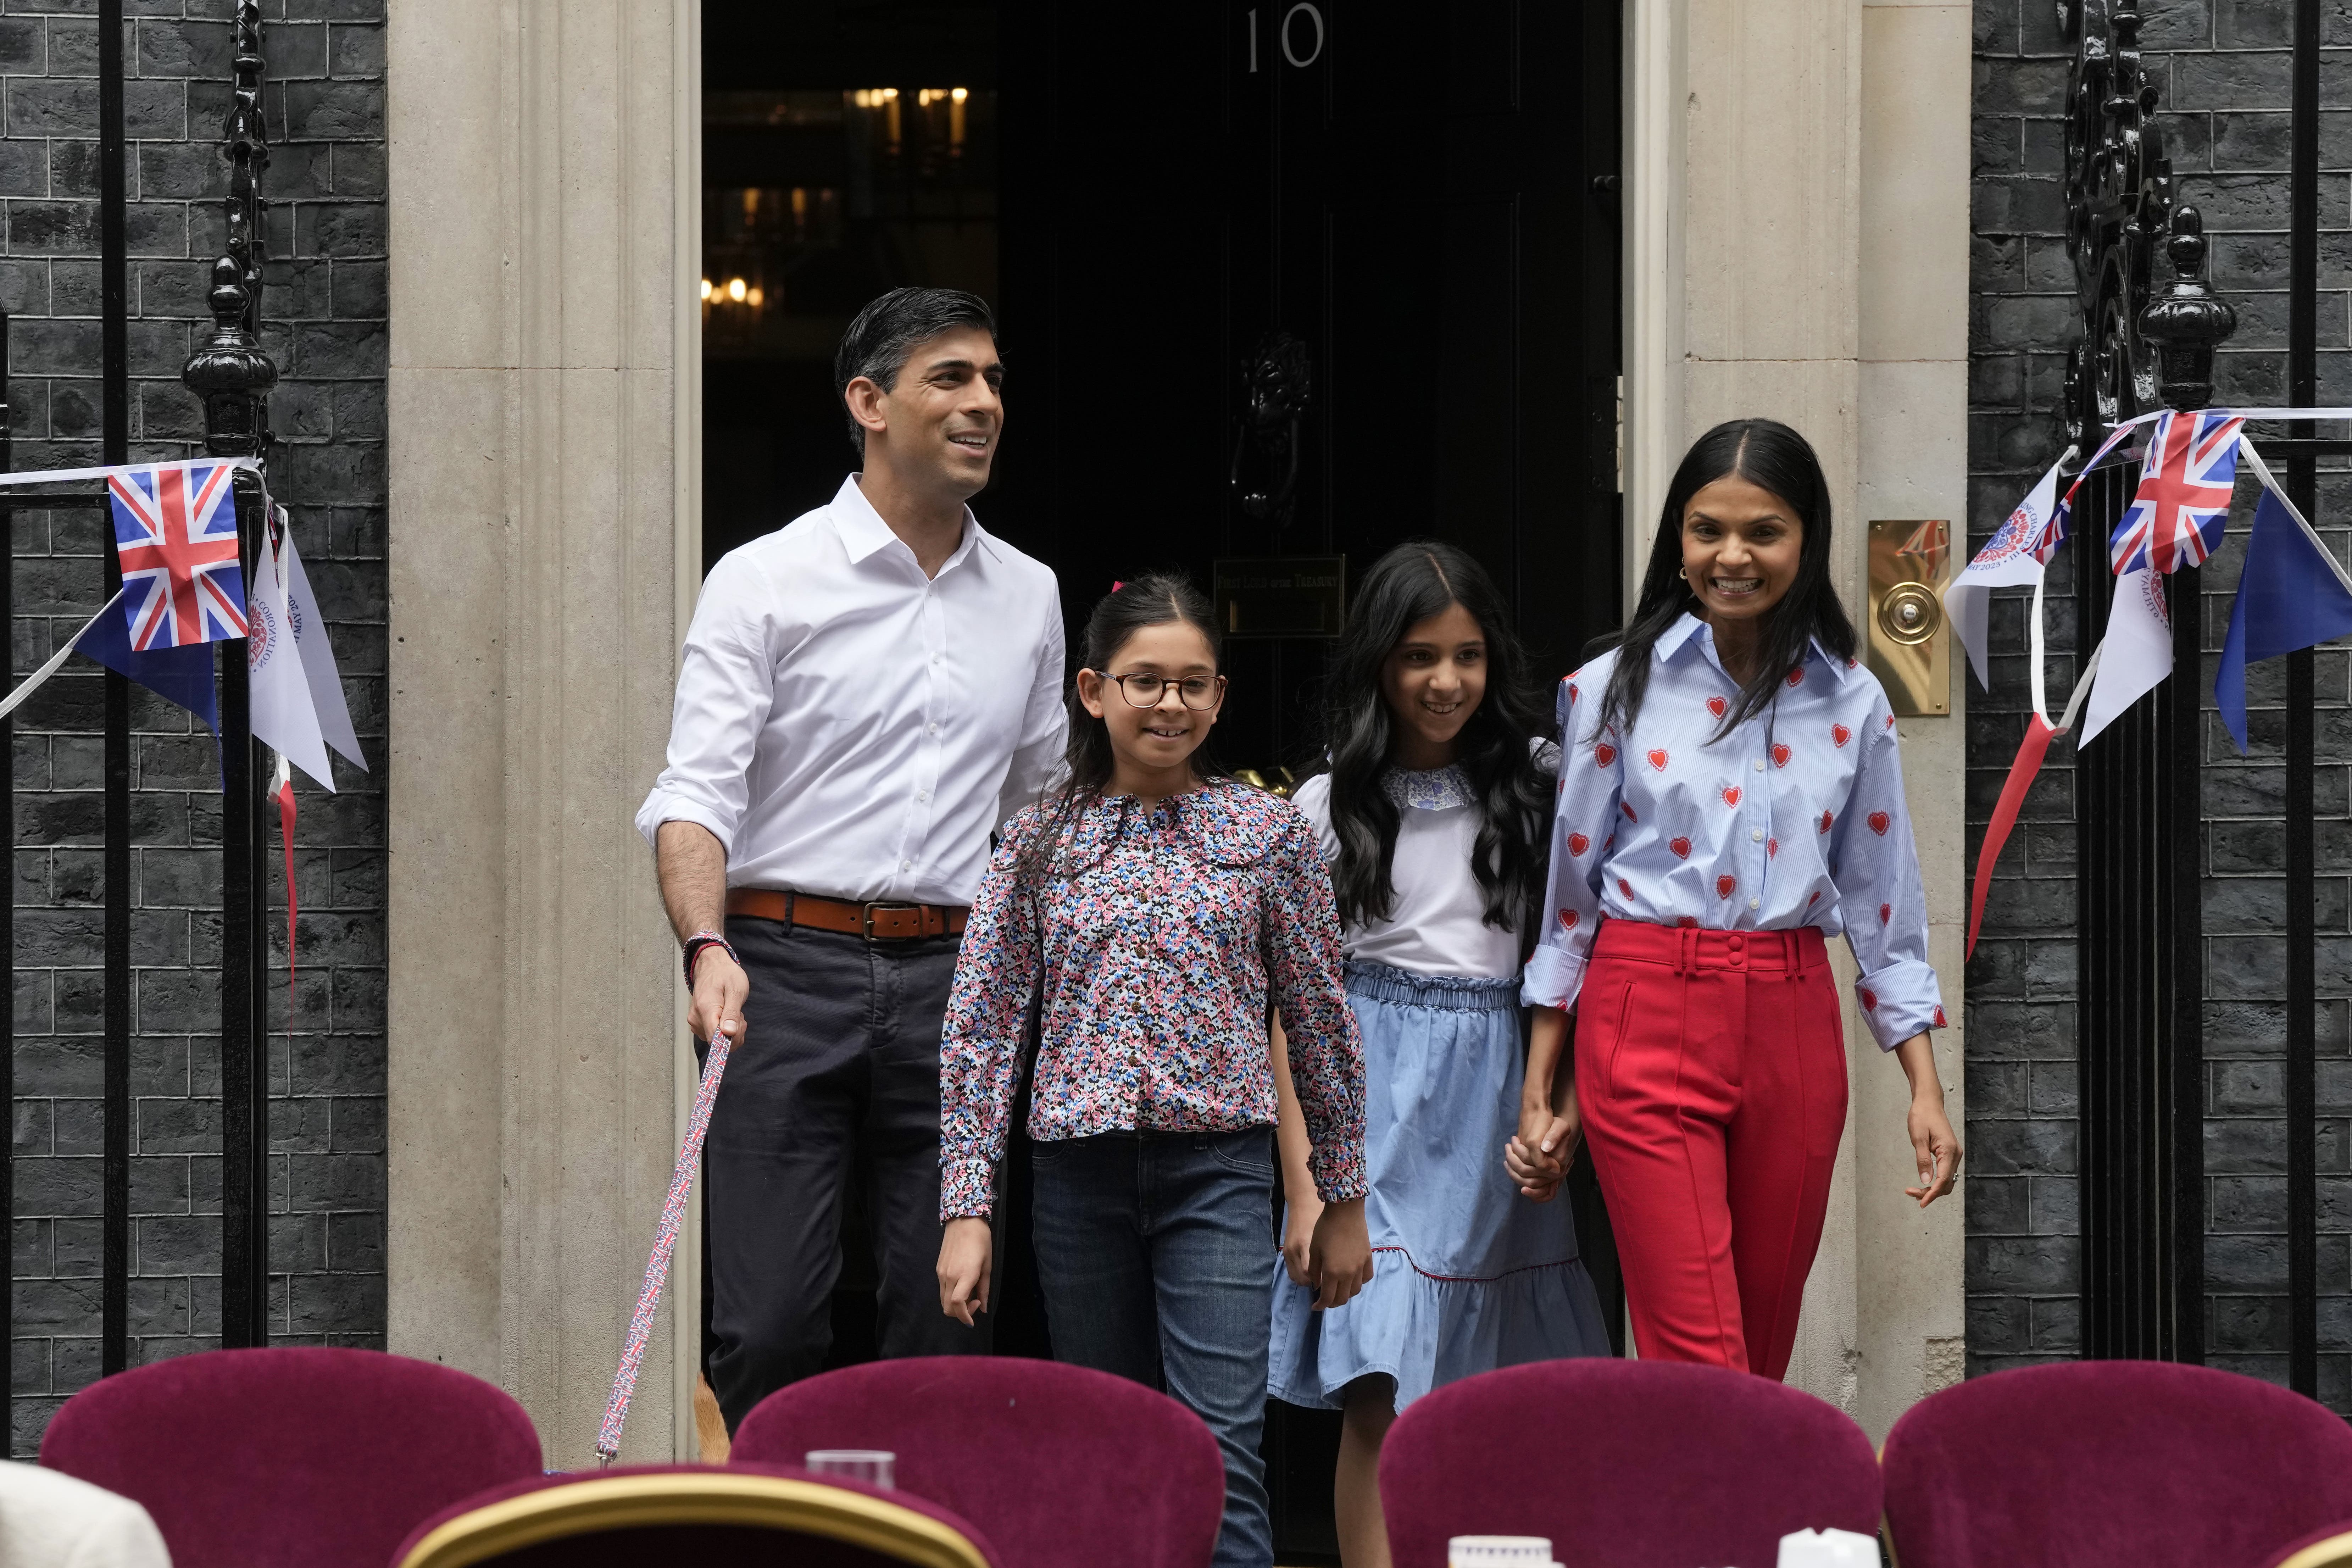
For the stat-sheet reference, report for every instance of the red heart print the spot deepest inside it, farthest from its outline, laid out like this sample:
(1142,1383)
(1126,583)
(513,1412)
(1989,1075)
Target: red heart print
(1731,794)
(1826,820)
(1890,720)
(1772,847)
(1658,760)
(1841,734)
(1571,694)
(1567,920)
(1849,663)
(1809,901)
(1718,706)
(1625,888)
(1724,886)
(1604,754)
(1869,1000)
(1681,847)
(1561,788)
(1885,913)
(1781,755)
(1880,822)
(1796,678)
(1578,843)
(1686,922)
(1609,843)
(1576,672)
(1939,1019)
(1627,808)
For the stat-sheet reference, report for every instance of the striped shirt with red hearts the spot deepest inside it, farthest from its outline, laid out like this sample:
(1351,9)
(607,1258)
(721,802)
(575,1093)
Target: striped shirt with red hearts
(1795,818)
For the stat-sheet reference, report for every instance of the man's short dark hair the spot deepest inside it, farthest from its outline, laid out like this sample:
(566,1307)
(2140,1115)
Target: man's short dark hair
(879,343)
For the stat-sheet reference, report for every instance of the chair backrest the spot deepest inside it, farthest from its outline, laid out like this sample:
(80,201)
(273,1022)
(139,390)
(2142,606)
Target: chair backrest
(1623,1463)
(1060,1465)
(703,1514)
(2112,1462)
(324,1458)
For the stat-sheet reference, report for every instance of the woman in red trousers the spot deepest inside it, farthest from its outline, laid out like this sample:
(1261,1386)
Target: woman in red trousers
(1730,796)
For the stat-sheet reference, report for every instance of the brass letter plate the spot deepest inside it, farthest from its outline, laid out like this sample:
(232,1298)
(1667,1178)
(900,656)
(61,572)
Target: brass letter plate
(1909,646)
(1282,595)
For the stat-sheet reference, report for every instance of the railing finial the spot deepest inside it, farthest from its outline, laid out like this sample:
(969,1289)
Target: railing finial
(2188,321)
(230,372)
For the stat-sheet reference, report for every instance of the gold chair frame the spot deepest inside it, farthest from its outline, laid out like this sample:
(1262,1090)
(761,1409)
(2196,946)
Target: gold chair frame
(686,1497)
(2335,1552)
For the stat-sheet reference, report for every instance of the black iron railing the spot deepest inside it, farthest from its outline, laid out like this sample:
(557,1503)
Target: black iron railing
(232,376)
(2138,802)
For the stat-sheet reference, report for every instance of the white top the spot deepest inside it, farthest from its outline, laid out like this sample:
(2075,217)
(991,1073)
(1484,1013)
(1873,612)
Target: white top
(52,1520)
(848,729)
(1438,925)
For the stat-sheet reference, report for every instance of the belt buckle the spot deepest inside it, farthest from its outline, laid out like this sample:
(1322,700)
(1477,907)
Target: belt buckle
(881,904)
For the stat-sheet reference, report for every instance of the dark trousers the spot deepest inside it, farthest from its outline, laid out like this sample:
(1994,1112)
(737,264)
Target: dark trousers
(838,1080)
(1155,1255)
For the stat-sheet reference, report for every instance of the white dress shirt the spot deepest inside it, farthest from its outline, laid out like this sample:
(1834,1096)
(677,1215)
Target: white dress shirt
(1796,819)
(848,729)
(1438,923)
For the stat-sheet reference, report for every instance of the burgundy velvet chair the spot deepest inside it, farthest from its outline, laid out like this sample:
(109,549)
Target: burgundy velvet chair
(711,1517)
(1063,1467)
(2101,1464)
(1623,1463)
(259,1458)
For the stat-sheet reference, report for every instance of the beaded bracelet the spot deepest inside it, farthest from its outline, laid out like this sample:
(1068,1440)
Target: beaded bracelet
(700,939)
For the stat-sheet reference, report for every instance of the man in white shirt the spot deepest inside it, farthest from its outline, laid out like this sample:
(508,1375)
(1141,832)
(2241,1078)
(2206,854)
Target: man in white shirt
(866,694)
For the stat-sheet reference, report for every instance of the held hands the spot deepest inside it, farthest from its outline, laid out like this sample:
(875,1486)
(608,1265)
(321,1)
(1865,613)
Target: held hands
(1539,1157)
(966,1248)
(720,987)
(1338,1253)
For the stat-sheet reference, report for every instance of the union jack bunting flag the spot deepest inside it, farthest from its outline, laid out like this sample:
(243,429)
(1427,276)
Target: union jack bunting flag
(175,534)
(2183,502)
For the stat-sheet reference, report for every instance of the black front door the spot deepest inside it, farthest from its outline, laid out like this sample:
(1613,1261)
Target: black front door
(1405,217)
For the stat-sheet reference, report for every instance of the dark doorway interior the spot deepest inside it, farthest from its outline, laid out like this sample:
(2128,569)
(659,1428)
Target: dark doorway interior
(1414,204)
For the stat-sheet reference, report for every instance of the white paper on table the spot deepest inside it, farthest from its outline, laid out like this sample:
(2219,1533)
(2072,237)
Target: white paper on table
(1828,1549)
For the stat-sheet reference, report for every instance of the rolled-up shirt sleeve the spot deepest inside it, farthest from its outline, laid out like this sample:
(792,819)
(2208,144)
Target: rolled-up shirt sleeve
(726,688)
(1037,758)
(1592,781)
(1875,866)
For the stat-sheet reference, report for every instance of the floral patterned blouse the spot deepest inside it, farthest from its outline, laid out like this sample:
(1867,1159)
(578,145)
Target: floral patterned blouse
(1160,937)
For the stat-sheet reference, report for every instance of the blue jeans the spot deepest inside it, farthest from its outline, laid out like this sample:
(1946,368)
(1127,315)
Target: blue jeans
(1152,1252)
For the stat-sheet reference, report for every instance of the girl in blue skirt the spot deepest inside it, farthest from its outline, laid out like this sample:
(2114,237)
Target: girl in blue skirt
(1433,817)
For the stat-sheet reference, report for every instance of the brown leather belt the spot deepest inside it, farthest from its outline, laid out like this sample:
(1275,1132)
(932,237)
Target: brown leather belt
(875,922)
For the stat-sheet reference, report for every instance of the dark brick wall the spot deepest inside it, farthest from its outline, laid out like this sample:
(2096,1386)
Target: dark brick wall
(326,312)
(2222,68)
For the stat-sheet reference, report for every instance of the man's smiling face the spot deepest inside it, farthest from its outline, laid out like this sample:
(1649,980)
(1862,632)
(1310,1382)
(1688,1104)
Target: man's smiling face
(945,413)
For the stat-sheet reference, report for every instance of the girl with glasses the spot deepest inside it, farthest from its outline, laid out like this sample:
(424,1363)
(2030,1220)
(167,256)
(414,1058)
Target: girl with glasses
(1432,815)
(1159,910)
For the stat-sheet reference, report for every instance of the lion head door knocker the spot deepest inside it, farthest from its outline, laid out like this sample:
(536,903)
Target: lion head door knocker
(1277,388)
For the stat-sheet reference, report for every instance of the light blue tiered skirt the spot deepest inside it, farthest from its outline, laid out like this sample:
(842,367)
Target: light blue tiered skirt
(1468,1274)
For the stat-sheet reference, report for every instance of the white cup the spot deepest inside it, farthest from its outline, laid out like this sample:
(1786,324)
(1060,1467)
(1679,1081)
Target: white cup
(874,1466)
(1499,1552)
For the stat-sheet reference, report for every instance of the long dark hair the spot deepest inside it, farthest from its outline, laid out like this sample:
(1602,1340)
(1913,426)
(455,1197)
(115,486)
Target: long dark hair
(1409,584)
(1154,599)
(1765,453)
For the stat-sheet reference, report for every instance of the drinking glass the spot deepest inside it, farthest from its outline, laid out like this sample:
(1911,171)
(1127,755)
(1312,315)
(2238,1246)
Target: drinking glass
(874,1466)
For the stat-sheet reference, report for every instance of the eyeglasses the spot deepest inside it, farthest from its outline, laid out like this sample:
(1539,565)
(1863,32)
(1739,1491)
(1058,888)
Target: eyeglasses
(1141,689)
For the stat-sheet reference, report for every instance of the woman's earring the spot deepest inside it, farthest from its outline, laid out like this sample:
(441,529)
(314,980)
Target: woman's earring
(1683,573)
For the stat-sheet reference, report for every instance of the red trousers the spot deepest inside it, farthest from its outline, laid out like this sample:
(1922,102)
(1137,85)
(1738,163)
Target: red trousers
(1710,1069)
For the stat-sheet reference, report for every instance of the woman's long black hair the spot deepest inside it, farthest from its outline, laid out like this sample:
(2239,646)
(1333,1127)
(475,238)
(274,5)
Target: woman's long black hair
(1770,455)
(1155,599)
(1409,584)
